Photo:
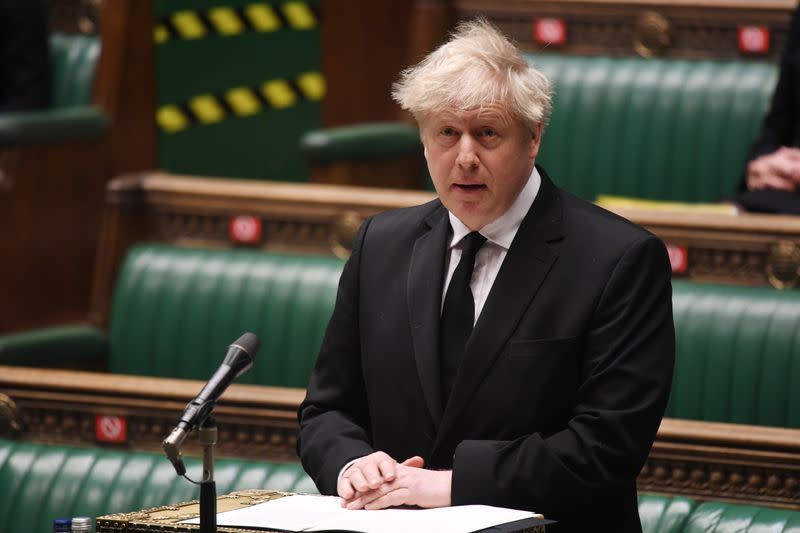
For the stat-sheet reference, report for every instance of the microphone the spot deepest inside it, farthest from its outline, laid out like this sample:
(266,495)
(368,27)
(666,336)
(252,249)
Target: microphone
(237,361)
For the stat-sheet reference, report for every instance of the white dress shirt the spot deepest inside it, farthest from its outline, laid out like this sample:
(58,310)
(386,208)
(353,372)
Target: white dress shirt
(499,234)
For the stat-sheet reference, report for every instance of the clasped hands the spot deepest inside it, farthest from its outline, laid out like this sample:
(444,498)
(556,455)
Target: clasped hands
(778,170)
(377,481)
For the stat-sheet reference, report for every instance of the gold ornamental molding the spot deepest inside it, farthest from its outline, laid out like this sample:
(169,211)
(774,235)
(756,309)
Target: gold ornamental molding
(783,265)
(652,34)
(344,232)
(9,417)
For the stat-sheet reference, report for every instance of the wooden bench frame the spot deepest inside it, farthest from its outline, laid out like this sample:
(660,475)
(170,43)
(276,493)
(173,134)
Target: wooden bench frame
(735,463)
(323,219)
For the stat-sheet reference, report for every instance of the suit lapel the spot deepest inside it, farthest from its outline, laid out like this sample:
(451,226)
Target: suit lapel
(425,279)
(525,267)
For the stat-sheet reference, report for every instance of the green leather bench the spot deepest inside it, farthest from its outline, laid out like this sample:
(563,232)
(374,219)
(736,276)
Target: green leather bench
(39,482)
(176,309)
(71,116)
(664,129)
(670,514)
(738,355)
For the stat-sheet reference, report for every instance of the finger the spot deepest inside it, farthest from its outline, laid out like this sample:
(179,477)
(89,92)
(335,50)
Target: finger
(345,489)
(387,469)
(391,499)
(772,181)
(369,469)
(367,497)
(414,462)
(357,479)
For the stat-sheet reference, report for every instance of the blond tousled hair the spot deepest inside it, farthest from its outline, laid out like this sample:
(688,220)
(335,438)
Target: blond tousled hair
(478,66)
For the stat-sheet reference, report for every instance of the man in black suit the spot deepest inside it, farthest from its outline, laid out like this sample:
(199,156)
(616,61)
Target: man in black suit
(552,401)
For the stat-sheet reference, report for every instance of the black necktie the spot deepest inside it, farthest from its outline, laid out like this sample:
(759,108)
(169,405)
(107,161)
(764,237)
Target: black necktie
(458,314)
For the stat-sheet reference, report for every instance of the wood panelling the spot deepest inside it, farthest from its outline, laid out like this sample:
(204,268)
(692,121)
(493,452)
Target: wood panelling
(686,28)
(51,195)
(731,462)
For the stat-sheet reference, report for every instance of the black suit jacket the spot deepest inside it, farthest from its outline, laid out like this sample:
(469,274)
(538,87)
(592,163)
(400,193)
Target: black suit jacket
(564,380)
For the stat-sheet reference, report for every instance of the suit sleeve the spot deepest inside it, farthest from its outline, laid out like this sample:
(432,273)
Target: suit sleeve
(627,365)
(334,417)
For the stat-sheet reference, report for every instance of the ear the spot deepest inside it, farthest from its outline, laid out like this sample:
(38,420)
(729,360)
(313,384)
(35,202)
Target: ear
(536,140)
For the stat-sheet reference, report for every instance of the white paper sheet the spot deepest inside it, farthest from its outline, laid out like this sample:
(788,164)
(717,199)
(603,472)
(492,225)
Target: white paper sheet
(320,513)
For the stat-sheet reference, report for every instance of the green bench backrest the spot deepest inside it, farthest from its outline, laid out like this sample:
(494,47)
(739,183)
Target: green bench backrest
(73,59)
(176,310)
(40,482)
(676,514)
(665,129)
(738,354)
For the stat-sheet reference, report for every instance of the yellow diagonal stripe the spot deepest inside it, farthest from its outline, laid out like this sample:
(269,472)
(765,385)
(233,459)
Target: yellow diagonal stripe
(206,108)
(278,93)
(299,15)
(243,101)
(171,118)
(188,25)
(262,17)
(225,21)
(160,34)
(312,84)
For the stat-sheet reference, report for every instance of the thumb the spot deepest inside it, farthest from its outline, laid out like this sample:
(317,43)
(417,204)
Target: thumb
(414,462)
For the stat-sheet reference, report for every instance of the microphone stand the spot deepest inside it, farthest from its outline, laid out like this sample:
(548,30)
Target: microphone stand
(207,434)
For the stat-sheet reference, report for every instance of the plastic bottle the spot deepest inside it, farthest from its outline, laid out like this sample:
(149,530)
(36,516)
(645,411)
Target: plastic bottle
(82,524)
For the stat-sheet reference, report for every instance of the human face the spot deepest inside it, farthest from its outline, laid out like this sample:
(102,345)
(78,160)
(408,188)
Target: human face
(479,161)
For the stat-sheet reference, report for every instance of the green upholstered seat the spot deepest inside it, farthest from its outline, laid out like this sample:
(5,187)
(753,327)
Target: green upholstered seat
(676,514)
(719,517)
(176,310)
(664,514)
(738,354)
(665,129)
(39,482)
(71,115)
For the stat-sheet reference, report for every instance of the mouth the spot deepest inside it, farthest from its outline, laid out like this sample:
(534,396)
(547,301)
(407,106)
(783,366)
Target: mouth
(469,187)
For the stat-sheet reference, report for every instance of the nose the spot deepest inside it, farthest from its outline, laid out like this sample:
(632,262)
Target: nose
(467,157)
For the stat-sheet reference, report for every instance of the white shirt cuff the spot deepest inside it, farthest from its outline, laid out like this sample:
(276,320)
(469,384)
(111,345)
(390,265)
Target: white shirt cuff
(345,467)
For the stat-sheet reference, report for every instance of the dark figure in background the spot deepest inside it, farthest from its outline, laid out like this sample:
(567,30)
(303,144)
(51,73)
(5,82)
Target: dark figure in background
(772,176)
(25,79)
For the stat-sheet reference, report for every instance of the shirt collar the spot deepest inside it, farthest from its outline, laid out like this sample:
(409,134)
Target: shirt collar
(503,229)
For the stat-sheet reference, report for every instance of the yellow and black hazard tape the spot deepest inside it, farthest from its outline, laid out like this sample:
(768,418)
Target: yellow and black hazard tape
(241,102)
(226,21)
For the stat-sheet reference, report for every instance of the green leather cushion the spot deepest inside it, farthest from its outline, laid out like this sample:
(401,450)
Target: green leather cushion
(358,142)
(55,344)
(74,60)
(39,482)
(664,514)
(738,354)
(668,129)
(676,514)
(719,517)
(176,310)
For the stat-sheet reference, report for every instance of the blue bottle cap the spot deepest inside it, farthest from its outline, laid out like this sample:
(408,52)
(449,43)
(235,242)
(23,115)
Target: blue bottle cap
(62,525)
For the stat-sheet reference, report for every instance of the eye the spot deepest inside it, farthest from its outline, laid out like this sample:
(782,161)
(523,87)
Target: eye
(488,132)
(448,131)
